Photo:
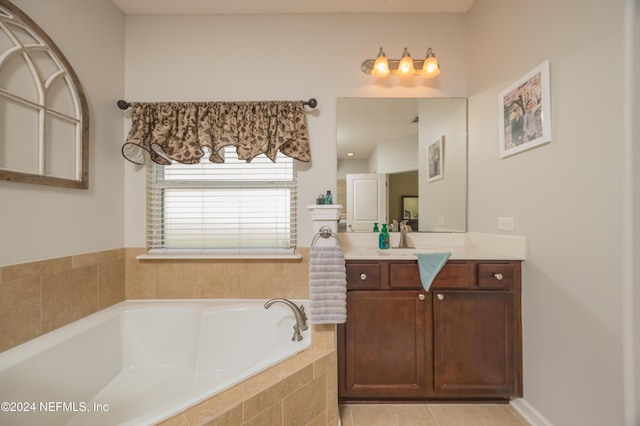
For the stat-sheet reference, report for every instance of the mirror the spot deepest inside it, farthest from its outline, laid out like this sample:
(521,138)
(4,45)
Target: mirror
(393,139)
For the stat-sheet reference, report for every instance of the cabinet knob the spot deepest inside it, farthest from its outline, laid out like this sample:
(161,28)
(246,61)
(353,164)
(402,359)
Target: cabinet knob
(498,276)
(363,277)
(421,296)
(440,296)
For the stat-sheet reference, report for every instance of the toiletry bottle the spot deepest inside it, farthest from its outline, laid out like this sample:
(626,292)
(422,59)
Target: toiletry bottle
(375,227)
(320,199)
(328,199)
(383,239)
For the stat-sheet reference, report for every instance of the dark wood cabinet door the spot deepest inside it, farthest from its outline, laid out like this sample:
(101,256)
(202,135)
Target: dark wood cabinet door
(475,351)
(383,345)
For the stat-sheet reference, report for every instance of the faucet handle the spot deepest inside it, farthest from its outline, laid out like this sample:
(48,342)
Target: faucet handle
(304,313)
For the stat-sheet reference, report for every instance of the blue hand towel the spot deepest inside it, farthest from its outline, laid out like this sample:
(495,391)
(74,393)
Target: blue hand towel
(429,264)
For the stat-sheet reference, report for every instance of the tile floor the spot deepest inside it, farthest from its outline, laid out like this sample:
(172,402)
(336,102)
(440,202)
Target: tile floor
(430,415)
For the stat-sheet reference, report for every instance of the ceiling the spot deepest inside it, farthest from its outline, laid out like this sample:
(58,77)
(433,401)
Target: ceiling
(291,6)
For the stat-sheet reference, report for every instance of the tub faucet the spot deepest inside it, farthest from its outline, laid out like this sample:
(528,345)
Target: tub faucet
(298,311)
(404,228)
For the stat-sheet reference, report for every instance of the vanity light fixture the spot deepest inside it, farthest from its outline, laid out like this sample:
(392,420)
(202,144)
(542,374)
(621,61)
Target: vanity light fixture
(406,66)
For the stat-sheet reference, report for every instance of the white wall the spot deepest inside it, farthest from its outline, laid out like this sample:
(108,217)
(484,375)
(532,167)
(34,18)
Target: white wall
(566,197)
(218,58)
(443,203)
(40,222)
(395,156)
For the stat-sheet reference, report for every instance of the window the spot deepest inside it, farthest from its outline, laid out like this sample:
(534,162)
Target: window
(230,207)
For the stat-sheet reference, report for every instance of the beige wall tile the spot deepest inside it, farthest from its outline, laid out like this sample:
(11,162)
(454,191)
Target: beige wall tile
(87,259)
(269,396)
(111,283)
(68,295)
(179,280)
(302,406)
(223,280)
(332,387)
(178,420)
(272,416)
(321,420)
(323,336)
(232,416)
(216,279)
(34,269)
(140,276)
(20,310)
(108,256)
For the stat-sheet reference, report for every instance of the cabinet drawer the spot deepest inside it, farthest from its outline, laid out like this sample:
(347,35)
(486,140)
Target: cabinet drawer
(496,275)
(363,276)
(407,275)
(453,275)
(404,275)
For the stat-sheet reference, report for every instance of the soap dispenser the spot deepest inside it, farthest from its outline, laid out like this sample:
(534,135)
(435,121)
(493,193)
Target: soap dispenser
(383,238)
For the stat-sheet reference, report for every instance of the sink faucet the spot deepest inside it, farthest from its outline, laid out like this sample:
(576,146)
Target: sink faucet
(404,228)
(298,311)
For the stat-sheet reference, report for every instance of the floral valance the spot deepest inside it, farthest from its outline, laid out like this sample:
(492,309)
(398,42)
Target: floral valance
(178,131)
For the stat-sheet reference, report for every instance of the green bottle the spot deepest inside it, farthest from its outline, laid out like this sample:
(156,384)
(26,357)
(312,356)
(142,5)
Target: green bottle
(383,238)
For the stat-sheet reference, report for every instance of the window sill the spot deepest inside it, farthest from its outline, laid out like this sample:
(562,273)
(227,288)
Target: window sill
(217,256)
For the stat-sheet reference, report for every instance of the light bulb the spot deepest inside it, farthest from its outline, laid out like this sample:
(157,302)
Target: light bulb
(430,68)
(405,67)
(381,66)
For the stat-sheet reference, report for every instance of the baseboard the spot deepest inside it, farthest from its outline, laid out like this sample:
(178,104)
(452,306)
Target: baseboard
(530,414)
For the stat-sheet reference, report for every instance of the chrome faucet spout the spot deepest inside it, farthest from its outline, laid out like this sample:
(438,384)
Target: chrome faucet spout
(403,243)
(298,312)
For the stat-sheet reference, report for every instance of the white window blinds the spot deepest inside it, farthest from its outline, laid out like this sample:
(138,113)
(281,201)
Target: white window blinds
(223,207)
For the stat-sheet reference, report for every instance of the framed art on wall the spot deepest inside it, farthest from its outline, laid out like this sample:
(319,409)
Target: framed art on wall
(525,112)
(435,160)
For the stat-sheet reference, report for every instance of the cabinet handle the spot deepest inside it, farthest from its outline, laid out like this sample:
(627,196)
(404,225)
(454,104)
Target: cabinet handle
(498,276)
(440,296)
(421,296)
(363,277)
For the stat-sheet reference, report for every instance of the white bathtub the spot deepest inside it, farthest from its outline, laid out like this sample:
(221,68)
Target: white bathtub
(139,362)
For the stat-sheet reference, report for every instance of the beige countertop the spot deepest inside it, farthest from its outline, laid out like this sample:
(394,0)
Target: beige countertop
(462,246)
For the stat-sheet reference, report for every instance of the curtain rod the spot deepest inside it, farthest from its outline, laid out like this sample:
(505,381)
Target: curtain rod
(311,103)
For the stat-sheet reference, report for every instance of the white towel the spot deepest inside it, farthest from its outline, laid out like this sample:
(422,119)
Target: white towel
(327,285)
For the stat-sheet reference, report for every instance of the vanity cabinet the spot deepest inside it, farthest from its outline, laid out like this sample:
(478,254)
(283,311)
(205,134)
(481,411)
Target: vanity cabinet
(459,341)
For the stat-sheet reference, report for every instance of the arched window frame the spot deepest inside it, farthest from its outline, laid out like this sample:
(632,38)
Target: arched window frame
(10,14)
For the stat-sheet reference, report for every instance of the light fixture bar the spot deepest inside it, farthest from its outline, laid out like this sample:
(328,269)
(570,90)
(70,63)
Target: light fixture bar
(418,64)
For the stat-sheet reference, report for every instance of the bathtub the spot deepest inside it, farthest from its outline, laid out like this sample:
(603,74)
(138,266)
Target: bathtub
(139,362)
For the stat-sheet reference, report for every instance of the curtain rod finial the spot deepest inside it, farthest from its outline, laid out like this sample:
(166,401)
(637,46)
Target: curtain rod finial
(123,105)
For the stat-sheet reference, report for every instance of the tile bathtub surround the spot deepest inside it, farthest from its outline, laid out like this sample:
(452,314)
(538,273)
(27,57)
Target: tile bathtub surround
(38,297)
(216,279)
(301,391)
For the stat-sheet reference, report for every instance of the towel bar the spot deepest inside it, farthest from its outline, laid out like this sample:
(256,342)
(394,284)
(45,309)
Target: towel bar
(325,232)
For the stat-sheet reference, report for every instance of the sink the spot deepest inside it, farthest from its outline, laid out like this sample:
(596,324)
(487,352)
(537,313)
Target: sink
(407,251)
(410,251)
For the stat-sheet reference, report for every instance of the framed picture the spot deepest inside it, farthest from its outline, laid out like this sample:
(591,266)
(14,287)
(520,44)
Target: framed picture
(435,160)
(524,112)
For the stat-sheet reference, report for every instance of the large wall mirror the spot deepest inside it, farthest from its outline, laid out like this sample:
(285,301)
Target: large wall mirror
(402,159)
(44,117)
